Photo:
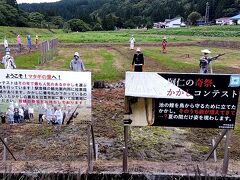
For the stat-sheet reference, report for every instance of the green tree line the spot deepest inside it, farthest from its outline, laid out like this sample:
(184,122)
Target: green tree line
(84,15)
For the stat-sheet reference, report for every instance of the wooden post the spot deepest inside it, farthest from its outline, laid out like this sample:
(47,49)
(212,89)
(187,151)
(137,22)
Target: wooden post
(214,152)
(217,143)
(5,150)
(211,68)
(96,152)
(93,142)
(125,150)
(226,154)
(90,166)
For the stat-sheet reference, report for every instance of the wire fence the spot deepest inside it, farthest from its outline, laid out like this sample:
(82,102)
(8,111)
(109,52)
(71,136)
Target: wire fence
(48,50)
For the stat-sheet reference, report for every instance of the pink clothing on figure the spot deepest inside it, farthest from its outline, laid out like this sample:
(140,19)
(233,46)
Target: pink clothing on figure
(18,39)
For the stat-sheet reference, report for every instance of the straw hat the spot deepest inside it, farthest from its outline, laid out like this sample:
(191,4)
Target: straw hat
(76,54)
(138,49)
(206,51)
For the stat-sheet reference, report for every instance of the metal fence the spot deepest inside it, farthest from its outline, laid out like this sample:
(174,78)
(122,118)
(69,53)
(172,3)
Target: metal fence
(48,50)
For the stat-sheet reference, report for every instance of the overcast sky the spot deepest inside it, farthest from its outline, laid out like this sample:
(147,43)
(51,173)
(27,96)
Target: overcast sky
(35,1)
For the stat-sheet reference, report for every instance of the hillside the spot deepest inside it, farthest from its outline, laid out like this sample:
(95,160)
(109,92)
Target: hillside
(11,32)
(131,13)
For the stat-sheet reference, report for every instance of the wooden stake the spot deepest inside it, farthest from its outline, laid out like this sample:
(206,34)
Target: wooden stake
(5,150)
(125,150)
(226,154)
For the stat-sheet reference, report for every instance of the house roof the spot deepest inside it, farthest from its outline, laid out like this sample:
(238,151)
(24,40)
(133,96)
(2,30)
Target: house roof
(237,17)
(169,20)
(223,18)
(151,85)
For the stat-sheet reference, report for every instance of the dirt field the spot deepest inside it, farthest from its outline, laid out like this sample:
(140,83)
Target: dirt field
(173,150)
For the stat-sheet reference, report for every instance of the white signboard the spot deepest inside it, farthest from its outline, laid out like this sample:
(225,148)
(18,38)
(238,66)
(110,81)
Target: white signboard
(51,88)
(151,85)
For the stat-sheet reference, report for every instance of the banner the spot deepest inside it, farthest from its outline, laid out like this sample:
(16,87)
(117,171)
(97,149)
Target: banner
(49,88)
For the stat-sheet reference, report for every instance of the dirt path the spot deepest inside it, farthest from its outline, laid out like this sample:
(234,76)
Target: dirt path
(174,167)
(205,43)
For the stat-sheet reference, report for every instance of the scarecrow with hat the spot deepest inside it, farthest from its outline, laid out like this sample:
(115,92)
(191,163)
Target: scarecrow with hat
(8,61)
(138,61)
(132,41)
(206,59)
(164,44)
(5,43)
(77,64)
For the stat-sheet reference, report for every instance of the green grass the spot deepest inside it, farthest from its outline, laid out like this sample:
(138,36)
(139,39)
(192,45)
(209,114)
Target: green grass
(122,36)
(27,61)
(176,59)
(200,147)
(166,60)
(107,72)
(11,33)
(155,35)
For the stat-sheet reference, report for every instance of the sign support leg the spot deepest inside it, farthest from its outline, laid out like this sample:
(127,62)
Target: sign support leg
(93,143)
(214,152)
(125,150)
(90,165)
(217,143)
(226,154)
(7,148)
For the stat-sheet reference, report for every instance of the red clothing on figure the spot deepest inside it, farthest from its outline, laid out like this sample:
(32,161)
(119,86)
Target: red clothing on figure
(164,45)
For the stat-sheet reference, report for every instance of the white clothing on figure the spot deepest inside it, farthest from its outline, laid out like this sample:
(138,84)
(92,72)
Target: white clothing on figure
(8,62)
(59,116)
(49,114)
(132,41)
(30,110)
(5,42)
(21,112)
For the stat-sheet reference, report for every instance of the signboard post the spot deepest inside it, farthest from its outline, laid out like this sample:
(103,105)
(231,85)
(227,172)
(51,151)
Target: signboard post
(53,89)
(183,100)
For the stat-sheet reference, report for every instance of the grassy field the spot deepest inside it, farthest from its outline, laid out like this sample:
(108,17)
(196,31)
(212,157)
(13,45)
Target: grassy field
(122,36)
(11,33)
(110,64)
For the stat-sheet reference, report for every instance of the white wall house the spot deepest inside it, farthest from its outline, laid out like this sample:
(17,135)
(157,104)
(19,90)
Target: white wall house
(224,21)
(175,22)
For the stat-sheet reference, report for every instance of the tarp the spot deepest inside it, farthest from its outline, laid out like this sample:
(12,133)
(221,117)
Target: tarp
(152,85)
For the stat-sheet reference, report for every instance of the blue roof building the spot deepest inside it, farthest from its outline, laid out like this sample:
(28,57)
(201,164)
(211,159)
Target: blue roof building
(236,18)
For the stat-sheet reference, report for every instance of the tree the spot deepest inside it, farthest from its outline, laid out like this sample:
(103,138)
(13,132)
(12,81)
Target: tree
(36,19)
(108,22)
(58,21)
(97,27)
(66,27)
(12,3)
(78,25)
(193,17)
(8,14)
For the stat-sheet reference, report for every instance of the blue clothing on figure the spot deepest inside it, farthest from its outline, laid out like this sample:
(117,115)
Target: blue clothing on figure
(29,42)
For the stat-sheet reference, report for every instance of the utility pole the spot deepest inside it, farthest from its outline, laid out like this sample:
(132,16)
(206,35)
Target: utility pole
(207,13)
